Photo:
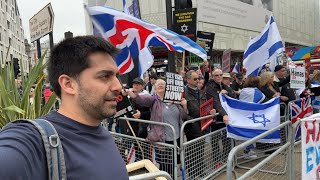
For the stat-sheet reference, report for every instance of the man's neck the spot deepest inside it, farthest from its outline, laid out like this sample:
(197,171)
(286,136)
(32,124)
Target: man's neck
(194,88)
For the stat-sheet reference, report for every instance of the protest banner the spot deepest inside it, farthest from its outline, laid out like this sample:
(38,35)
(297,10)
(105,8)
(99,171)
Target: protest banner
(205,109)
(123,106)
(174,88)
(226,61)
(310,147)
(297,78)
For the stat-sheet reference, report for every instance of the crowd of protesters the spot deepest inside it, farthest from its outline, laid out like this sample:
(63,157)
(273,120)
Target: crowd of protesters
(201,85)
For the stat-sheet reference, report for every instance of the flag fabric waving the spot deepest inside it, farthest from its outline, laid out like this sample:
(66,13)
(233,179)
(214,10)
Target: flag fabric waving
(263,49)
(236,68)
(248,120)
(131,35)
(145,55)
(299,109)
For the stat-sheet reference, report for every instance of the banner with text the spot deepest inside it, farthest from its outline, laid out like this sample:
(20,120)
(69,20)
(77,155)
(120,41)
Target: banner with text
(207,39)
(310,147)
(123,106)
(226,56)
(174,88)
(185,22)
(297,78)
(241,14)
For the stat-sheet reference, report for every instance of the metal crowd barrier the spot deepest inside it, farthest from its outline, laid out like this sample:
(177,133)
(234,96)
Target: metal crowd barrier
(206,156)
(162,154)
(282,156)
(152,175)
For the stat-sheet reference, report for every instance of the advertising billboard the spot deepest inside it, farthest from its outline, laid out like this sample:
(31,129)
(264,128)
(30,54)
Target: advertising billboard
(242,14)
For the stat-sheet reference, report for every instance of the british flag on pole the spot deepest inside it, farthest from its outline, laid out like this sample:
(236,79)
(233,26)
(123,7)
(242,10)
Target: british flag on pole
(299,109)
(131,35)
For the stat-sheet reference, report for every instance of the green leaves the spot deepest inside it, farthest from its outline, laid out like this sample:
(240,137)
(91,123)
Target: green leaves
(15,105)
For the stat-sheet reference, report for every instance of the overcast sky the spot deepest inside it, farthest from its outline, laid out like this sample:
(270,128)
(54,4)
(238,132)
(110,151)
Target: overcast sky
(68,16)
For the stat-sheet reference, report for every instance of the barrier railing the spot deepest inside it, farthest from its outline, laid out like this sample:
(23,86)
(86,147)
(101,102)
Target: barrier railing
(163,154)
(284,150)
(153,175)
(205,156)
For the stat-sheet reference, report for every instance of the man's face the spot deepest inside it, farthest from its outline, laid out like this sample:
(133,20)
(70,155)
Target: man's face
(201,84)
(98,87)
(226,81)
(153,81)
(193,80)
(282,73)
(217,76)
(137,87)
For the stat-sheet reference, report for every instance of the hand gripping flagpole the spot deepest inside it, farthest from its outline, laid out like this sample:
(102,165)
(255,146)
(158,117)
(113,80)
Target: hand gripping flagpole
(128,123)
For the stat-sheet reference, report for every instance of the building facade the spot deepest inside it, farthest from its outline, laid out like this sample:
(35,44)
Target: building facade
(235,21)
(12,35)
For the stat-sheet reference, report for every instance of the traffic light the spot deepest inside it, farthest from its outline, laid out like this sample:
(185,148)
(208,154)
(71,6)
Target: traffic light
(182,4)
(16,67)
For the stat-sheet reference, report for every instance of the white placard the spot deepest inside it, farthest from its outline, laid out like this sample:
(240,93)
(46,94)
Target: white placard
(235,13)
(41,23)
(310,147)
(297,78)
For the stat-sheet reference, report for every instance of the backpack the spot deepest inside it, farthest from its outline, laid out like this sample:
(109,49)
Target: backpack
(53,147)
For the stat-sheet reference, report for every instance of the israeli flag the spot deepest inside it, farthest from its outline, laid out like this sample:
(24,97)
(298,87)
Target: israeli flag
(236,68)
(248,120)
(263,49)
(315,102)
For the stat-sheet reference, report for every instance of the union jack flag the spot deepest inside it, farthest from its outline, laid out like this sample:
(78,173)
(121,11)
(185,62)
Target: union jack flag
(131,35)
(299,109)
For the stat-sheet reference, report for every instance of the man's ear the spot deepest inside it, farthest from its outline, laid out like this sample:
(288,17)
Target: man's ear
(68,84)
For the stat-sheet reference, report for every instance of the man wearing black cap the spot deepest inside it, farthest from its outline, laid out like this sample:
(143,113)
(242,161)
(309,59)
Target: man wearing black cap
(237,84)
(282,84)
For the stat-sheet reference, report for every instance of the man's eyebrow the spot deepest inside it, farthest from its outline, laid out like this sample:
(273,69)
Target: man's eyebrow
(110,72)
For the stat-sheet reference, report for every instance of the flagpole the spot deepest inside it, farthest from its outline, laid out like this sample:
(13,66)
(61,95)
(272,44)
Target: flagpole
(183,59)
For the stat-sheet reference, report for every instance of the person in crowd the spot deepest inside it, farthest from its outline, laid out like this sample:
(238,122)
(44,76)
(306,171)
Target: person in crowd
(251,92)
(315,80)
(310,89)
(205,71)
(141,112)
(194,98)
(150,85)
(201,85)
(88,93)
(266,85)
(213,89)
(237,84)
(172,114)
(226,80)
(19,87)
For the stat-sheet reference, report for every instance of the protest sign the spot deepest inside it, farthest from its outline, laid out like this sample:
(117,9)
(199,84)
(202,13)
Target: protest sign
(226,61)
(205,109)
(310,147)
(123,106)
(174,88)
(297,78)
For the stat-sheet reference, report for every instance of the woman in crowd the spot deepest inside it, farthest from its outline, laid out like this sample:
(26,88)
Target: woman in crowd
(172,114)
(266,85)
(311,88)
(250,92)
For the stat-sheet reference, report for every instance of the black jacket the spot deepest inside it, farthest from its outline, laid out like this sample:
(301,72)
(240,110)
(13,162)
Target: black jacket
(194,99)
(212,91)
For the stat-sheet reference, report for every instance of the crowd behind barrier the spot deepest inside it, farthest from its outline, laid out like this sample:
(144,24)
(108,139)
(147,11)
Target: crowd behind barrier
(207,156)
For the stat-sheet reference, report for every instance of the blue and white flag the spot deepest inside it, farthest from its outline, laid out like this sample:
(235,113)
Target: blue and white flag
(316,102)
(236,68)
(263,49)
(248,120)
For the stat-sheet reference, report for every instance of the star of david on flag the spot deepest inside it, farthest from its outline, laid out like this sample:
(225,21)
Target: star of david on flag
(248,120)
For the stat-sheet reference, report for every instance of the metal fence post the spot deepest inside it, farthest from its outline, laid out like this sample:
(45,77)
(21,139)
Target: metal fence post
(291,154)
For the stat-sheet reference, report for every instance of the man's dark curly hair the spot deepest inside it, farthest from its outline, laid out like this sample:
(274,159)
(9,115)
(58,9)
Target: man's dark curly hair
(71,57)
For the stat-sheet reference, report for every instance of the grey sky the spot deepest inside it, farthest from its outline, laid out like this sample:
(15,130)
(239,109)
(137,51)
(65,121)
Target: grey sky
(69,16)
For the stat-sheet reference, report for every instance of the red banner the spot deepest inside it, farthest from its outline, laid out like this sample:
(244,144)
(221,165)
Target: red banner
(205,109)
